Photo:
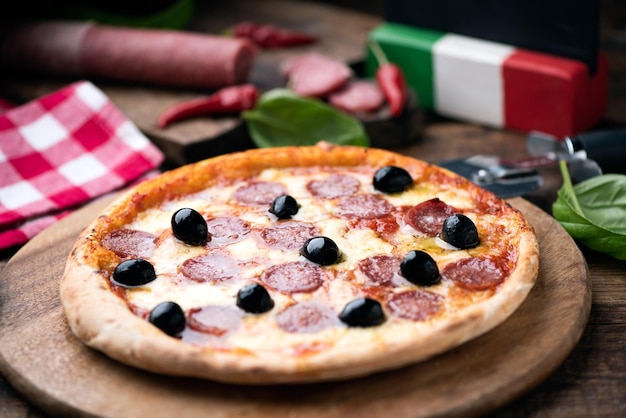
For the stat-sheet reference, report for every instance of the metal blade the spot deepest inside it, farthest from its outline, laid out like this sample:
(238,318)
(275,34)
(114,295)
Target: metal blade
(542,144)
(580,166)
(487,172)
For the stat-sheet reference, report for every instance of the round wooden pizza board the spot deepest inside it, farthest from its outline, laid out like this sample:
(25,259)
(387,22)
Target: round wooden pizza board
(43,360)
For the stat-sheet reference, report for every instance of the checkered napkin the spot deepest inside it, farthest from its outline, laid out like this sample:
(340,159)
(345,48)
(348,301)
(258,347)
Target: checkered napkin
(61,151)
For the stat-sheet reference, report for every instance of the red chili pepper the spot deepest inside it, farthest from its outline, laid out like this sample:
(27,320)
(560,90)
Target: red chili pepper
(270,36)
(227,100)
(391,81)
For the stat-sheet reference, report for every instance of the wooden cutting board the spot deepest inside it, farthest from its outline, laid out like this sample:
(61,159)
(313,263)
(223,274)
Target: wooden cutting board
(43,360)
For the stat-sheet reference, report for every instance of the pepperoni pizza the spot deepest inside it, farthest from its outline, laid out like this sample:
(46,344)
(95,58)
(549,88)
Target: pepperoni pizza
(296,264)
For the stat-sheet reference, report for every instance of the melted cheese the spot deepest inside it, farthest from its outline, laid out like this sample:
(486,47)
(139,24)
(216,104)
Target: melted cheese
(355,243)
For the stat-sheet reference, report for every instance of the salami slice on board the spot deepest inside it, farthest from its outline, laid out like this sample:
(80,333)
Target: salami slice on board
(358,97)
(316,75)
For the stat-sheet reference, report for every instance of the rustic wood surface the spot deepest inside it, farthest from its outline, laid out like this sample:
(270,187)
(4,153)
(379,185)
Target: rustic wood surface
(591,381)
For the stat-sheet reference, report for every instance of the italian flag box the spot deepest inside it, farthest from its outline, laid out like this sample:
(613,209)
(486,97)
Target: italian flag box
(494,84)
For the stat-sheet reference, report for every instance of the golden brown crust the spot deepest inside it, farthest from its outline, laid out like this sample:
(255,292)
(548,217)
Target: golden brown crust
(102,319)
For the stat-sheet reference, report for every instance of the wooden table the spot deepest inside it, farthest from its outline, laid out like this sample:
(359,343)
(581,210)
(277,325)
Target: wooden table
(591,382)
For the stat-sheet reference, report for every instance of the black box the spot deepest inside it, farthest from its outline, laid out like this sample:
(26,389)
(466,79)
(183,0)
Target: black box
(567,28)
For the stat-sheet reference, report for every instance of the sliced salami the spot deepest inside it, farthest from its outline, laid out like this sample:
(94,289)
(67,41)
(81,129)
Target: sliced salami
(212,267)
(130,243)
(381,269)
(259,193)
(306,317)
(315,75)
(288,235)
(428,216)
(477,273)
(415,305)
(294,277)
(358,97)
(226,230)
(335,185)
(215,320)
(364,206)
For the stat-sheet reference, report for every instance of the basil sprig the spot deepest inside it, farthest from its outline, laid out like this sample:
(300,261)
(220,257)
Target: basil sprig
(594,212)
(282,118)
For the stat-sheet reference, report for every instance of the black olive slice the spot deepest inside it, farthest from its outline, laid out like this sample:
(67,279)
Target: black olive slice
(168,317)
(392,179)
(419,268)
(321,250)
(189,226)
(459,230)
(134,272)
(284,207)
(362,312)
(254,298)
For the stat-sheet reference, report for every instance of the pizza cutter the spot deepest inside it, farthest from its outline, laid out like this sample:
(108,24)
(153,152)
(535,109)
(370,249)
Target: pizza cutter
(587,155)
(505,178)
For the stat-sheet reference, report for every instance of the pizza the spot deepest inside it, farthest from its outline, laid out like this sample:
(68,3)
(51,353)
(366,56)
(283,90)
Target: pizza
(296,264)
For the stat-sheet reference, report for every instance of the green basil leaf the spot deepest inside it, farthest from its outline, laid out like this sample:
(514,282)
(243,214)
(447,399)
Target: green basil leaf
(594,212)
(282,118)
(602,200)
(174,16)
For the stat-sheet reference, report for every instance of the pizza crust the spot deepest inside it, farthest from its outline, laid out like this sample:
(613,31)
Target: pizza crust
(102,320)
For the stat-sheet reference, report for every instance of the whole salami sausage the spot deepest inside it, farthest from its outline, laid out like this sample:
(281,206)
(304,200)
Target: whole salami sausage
(154,56)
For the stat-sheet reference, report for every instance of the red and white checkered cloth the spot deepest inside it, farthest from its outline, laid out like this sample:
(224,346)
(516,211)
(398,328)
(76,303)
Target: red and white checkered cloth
(61,151)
